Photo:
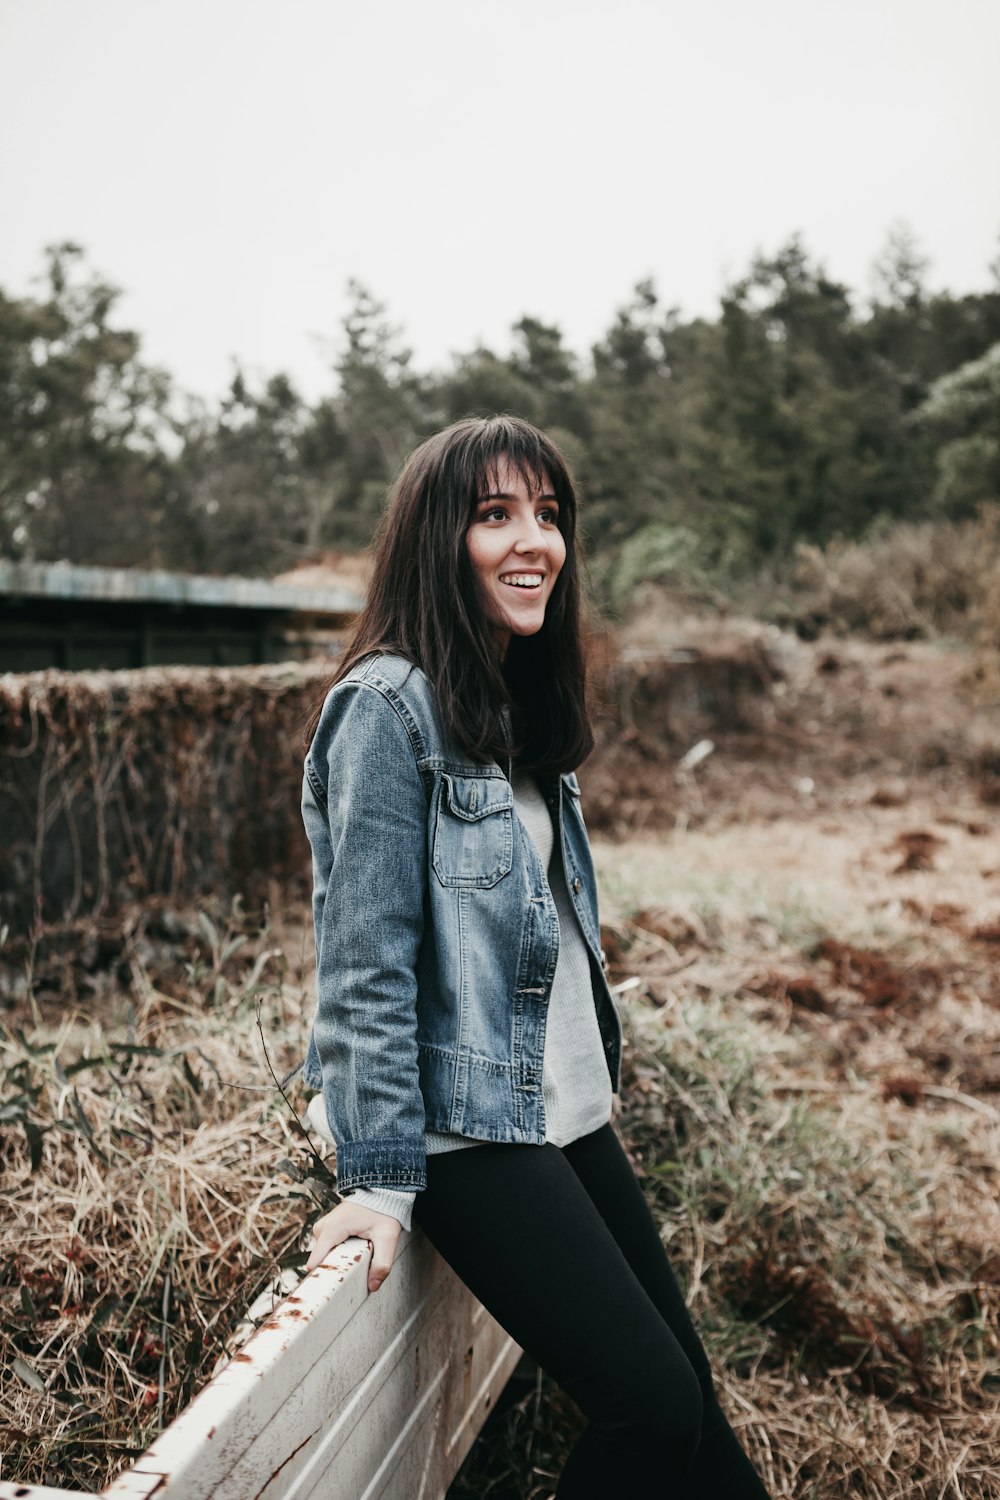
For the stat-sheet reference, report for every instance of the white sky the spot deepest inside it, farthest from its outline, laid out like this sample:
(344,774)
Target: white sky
(230,163)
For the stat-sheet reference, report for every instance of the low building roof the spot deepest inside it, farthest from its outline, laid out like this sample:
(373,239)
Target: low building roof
(156,586)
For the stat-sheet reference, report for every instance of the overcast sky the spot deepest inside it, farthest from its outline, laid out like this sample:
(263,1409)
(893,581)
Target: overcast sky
(230,163)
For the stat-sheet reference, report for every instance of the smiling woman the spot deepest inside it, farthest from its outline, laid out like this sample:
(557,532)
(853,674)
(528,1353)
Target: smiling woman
(517,551)
(480,500)
(466,1046)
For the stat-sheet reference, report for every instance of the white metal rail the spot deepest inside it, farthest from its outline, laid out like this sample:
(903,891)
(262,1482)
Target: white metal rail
(338,1395)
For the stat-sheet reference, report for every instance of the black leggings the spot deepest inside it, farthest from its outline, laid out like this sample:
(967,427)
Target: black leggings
(558,1243)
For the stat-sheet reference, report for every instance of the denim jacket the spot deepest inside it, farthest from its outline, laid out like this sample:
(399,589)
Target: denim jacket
(436,932)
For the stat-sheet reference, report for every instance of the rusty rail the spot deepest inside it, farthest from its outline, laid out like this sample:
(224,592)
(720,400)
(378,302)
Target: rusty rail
(338,1392)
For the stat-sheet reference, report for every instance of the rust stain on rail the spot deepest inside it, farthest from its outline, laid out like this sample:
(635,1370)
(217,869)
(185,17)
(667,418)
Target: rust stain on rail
(275,1472)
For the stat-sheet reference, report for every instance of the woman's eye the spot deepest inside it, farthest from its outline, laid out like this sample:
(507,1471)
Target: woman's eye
(550,515)
(495,513)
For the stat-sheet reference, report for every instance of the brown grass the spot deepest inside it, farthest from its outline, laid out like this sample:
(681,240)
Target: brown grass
(811,1095)
(816,1117)
(825,1174)
(908,581)
(146,1200)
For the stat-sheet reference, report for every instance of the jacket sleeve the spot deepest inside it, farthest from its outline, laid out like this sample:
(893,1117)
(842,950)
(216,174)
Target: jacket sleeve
(367,823)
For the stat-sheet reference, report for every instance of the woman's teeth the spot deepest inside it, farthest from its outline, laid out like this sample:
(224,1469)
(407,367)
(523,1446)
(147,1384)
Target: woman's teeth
(522,580)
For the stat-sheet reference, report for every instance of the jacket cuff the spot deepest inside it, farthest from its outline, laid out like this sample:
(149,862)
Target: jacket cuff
(399,1165)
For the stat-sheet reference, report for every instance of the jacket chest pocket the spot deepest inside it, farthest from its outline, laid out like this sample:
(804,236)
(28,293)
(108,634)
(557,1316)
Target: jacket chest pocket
(473,831)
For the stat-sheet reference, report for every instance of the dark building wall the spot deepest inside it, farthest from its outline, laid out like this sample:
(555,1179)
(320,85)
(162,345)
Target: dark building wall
(78,635)
(84,619)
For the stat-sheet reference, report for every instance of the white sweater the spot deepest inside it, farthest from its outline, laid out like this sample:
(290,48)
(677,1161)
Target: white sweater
(576,1085)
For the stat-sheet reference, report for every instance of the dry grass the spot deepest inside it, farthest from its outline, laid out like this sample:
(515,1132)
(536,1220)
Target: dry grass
(908,581)
(145,1200)
(814,1111)
(839,1247)
(811,1092)
(824,1170)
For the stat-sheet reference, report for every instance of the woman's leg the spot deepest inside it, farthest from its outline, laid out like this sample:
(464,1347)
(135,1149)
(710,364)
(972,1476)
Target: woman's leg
(720,1467)
(519,1227)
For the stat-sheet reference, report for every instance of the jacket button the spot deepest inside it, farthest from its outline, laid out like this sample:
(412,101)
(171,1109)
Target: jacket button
(577,886)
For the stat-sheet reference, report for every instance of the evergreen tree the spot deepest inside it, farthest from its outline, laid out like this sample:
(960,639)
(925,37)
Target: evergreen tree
(84,426)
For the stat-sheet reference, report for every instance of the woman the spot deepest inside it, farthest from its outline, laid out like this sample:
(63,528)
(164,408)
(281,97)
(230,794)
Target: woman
(465,1041)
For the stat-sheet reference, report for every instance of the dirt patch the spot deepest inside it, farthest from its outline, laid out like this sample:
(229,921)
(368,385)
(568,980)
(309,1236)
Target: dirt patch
(806,727)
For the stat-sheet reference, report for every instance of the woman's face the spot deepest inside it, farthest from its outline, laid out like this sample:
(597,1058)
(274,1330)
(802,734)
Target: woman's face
(517,550)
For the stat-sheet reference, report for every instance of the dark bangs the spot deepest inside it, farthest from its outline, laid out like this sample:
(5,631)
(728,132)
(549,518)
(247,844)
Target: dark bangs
(532,456)
(423,602)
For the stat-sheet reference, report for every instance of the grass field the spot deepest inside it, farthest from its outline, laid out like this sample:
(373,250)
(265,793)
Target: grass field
(810,1096)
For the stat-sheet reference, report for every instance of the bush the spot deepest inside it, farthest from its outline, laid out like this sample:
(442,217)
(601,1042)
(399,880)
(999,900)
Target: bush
(905,581)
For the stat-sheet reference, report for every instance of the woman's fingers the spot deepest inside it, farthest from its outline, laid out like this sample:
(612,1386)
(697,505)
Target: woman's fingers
(380,1230)
(325,1236)
(383,1241)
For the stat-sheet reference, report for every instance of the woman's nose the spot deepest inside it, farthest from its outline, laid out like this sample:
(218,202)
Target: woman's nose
(531,537)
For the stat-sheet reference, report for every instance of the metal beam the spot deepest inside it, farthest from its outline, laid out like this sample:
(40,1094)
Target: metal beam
(135,585)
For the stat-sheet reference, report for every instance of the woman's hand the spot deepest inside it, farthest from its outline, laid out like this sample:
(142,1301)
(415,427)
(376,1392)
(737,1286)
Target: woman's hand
(380,1230)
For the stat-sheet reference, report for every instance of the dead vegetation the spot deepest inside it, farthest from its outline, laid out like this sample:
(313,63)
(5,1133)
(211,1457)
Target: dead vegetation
(786,725)
(815,1115)
(812,1095)
(908,580)
(149,1188)
(808,918)
(118,787)
(821,1133)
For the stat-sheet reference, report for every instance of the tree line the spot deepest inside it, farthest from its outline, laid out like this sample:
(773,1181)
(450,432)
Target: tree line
(704,446)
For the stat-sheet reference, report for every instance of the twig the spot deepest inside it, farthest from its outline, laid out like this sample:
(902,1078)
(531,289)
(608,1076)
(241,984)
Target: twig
(165,1335)
(303,1132)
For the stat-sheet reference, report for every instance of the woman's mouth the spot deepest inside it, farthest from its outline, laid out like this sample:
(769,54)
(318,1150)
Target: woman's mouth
(522,580)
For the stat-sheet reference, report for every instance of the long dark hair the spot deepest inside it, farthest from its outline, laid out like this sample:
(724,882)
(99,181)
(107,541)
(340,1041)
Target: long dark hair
(423,602)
